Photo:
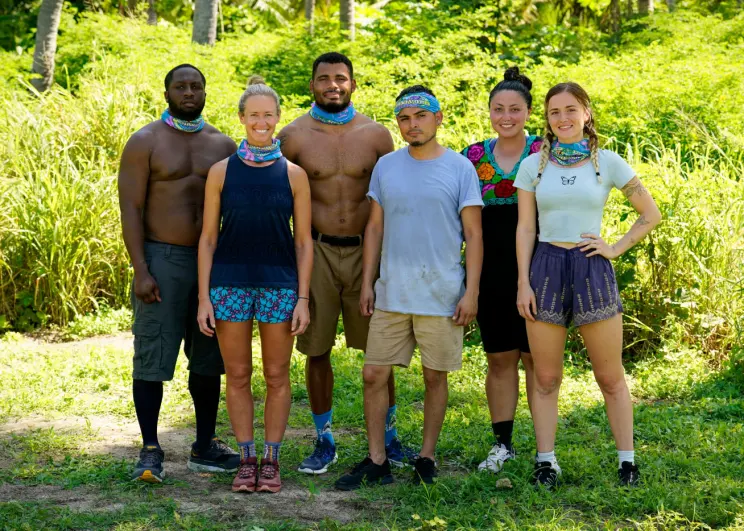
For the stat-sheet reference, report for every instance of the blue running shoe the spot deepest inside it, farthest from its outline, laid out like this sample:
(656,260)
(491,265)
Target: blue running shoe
(400,455)
(323,455)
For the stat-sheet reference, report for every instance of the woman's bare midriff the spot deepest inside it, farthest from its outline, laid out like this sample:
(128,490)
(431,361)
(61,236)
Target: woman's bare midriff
(565,245)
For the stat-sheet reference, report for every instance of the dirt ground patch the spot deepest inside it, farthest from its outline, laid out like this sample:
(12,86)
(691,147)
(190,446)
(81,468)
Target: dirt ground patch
(194,493)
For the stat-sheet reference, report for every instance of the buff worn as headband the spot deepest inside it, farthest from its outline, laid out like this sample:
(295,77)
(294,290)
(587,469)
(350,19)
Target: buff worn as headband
(187,126)
(418,99)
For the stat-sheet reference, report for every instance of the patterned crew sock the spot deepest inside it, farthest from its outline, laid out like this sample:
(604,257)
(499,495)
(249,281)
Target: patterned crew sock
(391,431)
(323,426)
(625,455)
(247,449)
(502,432)
(271,451)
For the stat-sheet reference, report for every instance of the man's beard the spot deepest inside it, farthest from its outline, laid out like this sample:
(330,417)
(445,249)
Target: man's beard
(419,143)
(332,107)
(182,114)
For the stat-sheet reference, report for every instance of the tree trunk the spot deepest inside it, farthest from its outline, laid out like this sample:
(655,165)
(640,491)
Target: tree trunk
(152,15)
(310,15)
(47,24)
(645,6)
(347,17)
(671,5)
(205,22)
(614,15)
(629,6)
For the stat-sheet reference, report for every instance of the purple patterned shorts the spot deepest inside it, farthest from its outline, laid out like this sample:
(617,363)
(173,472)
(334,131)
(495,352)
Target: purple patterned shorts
(569,286)
(266,305)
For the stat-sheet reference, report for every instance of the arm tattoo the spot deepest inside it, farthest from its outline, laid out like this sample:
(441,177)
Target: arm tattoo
(634,187)
(642,221)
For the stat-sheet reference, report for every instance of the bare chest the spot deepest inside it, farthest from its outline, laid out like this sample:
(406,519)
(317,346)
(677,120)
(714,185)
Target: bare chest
(326,156)
(183,157)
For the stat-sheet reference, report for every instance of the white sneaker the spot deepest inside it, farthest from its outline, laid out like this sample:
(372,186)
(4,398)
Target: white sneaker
(498,455)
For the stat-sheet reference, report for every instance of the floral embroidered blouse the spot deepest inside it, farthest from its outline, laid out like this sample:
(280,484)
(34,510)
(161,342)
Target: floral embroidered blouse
(497,187)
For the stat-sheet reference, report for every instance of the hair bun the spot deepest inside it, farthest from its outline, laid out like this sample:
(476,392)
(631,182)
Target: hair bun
(255,79)
(512,74)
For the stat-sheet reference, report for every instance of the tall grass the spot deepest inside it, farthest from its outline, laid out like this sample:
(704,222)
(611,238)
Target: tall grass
(61,252)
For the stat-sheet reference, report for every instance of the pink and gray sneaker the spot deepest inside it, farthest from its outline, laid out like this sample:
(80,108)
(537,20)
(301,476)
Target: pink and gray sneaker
(269,479)
(245,479)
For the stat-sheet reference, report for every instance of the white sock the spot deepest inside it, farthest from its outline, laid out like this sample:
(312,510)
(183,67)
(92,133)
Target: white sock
(546,456)
(625,455)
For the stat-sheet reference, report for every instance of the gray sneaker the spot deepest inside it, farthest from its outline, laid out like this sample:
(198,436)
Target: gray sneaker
(149,468)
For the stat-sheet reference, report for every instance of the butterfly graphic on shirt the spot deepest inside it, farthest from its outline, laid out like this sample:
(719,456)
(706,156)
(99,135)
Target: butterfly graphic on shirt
(568,180)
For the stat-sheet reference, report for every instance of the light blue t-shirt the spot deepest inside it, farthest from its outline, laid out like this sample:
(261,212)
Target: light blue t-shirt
(420,269)
(570,201)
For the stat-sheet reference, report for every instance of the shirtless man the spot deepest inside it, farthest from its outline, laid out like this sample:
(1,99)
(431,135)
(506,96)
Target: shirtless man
(161,195)
(337,147)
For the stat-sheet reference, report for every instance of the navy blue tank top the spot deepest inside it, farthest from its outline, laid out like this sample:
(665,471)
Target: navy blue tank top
(255,248)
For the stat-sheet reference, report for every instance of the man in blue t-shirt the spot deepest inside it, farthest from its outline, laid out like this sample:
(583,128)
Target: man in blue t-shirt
(425,201)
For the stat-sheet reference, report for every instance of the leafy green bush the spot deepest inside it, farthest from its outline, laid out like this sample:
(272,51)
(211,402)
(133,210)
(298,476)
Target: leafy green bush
(103,321)
(667,94)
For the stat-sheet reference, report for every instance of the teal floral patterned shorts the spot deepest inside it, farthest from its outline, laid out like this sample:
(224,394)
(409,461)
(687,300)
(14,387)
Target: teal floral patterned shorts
(265,305)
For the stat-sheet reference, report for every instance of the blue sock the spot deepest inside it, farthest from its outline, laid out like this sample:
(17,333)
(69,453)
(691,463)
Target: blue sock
(271,451)
(247,449)
(391,432)
(323,426)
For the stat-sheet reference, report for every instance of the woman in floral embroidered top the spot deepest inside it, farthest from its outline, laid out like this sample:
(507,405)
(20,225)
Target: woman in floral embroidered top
(502,328)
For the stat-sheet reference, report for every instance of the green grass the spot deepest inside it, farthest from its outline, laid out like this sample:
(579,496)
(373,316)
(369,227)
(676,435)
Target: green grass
(689,436)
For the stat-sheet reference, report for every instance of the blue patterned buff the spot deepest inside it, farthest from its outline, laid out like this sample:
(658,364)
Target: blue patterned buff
(260,153)
(569,154)
(421,100)
(187,126)
(333,118)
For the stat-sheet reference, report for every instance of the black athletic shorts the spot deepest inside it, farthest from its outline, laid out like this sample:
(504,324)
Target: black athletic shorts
(502,328)
(160,327)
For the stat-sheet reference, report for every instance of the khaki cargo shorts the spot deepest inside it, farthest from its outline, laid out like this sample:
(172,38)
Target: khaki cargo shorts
(335,289)
(393,337)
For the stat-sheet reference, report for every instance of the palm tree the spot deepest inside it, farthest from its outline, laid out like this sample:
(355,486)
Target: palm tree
(309,15)
(614,15)
(152,15)
(347,17)
(205,22)
(47,24)
(645,6)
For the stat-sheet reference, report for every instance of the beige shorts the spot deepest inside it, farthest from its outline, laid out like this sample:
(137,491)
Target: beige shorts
(393,337)
(335,289)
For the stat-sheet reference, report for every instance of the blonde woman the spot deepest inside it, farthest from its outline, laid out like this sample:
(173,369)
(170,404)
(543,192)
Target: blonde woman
(253,267)
(570,277)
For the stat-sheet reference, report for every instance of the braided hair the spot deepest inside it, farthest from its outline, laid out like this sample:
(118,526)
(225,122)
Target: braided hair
(589,129)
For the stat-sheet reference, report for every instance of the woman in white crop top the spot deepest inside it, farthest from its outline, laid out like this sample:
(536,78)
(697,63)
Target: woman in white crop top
(570,277)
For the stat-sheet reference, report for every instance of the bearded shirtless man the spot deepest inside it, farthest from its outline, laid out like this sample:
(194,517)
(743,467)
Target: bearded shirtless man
(161,195)
(338,148)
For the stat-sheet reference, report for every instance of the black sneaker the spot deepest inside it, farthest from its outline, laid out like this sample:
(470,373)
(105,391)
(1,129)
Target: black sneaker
(546,474)
(629,474)
(218,457)
(149,468)
(424,470)
(366,473)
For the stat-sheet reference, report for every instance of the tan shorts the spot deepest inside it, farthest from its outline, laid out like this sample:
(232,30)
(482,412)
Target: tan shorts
(393,337)
(335,289)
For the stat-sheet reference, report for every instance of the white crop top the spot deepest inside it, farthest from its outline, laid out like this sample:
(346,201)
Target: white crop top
(570,201)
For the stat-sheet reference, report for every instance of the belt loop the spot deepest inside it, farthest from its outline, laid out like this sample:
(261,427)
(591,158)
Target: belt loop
(320,237)
(167,250)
